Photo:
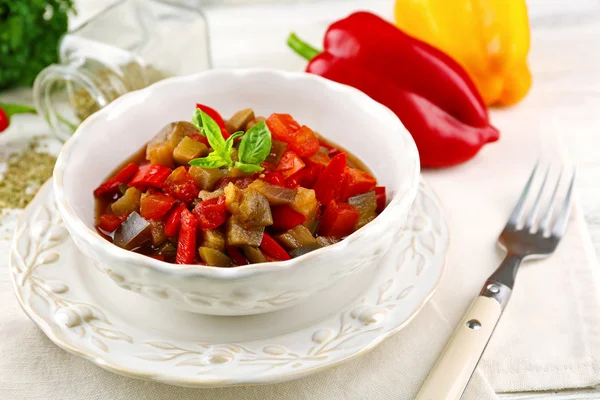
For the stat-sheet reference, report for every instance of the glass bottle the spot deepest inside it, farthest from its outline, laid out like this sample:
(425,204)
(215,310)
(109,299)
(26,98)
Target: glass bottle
(126,47)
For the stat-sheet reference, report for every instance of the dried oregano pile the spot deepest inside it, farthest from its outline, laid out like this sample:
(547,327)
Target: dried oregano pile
(25,172)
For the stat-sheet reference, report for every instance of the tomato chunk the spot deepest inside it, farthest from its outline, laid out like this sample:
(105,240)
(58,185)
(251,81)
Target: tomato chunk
(181,185)
(174,220)
(154,205)
(237,257)
(186,245)
(357,182)
(274,178)
(282,126)
(289,164)
(339,220)
(121,178)
(270,246)
(330,182)
(285,217)
(300,139)
(151,175)
(211,213)
(110,222)
(306,177)
(381,198)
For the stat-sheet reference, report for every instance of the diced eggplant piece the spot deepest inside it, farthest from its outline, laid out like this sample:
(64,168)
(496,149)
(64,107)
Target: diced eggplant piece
(158,232)
(298,236)
(366,204)
(254,122)
(160,149)
(130,202)
(134,232)
(233,197)
(214,257)
(167,250)
(300,251)
(276,195)
(205,178)
(238,235)
(327,240)
(214,239)
(306,204)
(277,149)
(206,195)
(254,210)
(254,255)
(187,150)
(239,120)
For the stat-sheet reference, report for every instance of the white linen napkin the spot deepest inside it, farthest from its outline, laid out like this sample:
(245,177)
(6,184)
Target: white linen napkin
(549,337)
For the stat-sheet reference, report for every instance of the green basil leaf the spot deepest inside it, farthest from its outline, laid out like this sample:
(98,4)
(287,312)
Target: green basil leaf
(256,144)
(213,160)
(209,128)
(248,167)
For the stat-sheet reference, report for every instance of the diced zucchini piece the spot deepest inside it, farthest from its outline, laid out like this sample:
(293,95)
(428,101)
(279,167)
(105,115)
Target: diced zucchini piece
(366,204)
(238,235)
(237,173)
(296,237)
(254,255)
(239,120)
(276,195)
(206,195)
(214,239)
(205,178)
(306,203)
(130,202)
(167,249)
(160,149)
(158,232)
(277,150)
(254,210)
(187,150)
(327,240)
(214,257)
(302,250)
(233,197)
(134,232)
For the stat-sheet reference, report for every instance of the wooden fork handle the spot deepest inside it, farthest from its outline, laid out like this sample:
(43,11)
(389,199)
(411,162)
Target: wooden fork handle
(453,370)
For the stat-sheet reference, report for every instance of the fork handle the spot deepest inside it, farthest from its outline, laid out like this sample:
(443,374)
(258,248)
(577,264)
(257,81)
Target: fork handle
(451,373)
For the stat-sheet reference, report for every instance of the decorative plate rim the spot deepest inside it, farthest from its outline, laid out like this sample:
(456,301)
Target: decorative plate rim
(57,336)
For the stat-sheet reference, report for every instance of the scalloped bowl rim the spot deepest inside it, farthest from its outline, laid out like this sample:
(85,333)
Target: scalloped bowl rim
(187,270)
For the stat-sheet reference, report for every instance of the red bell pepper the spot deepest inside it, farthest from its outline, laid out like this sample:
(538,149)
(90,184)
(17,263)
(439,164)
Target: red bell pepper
(211,213)
(237,257)
(216,116)
(306,177)
(274,178)
(121,178)
(300,139)
(329,184)
(154,205)
(285,217)
(321,158)
(381,198)
(181,185)
(110,222)
(339,220)
(186,244)
(200,138)
(174,220)
(151,175)
(289,164)
(357,182)
(271,248)
(429,91)
(333,151)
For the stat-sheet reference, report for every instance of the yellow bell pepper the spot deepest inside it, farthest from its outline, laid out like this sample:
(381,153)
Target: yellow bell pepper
(489,38)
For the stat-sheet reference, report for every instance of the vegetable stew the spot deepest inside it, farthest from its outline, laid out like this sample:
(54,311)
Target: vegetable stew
(234,192)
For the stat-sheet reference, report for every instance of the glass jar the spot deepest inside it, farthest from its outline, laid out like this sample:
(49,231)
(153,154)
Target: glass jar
(126,47)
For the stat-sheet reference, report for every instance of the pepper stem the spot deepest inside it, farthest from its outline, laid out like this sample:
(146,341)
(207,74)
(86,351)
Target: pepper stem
(12,109)
(302,48)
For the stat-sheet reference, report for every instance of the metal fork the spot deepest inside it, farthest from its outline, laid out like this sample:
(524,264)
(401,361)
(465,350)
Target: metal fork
(523,239)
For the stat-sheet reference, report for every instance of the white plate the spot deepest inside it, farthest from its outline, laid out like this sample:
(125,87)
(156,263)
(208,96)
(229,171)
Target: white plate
(84,312)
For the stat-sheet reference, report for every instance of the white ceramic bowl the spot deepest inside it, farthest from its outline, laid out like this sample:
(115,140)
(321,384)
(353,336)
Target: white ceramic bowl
(340,113)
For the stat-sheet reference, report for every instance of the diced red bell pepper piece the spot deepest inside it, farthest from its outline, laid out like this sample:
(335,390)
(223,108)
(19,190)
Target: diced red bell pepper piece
(242,182)
(289,164)
(110,222)
(305,178)
(274,178)
(211,213)
(154,205)
(121,178)
(282,126)
(330,182)
(237,257)
(217,117)
(186,245)
(174,220)
(151,175)
(304,142)
(181,185)
(357,182)
(200,138)
(333,151)
(319,158)
(300,139)
(339,220)
(270,246)
(381,198)
(285,217)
